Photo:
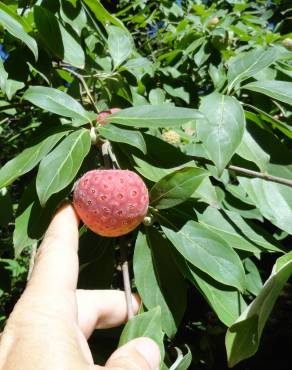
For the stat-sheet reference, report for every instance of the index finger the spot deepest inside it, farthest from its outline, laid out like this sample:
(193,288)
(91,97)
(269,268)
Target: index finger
(56,264)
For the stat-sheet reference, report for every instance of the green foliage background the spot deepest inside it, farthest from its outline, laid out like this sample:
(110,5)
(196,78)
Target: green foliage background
(205,94)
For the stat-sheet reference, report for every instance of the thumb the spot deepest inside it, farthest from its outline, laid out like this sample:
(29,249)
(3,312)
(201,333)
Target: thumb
(139,354)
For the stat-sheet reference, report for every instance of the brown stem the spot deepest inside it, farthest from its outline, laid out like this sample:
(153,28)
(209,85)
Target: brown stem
(126,276)
(260,175)
(80,77)
(247,172)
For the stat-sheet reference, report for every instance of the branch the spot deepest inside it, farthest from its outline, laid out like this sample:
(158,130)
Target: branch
(251,173)
(80,77)
(260,175)
(126,276)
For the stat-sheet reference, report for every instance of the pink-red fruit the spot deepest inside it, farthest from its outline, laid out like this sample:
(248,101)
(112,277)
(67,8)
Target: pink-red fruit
(101,117)
(111,202)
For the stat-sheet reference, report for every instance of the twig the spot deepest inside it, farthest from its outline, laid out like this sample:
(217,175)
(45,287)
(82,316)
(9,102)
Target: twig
(126,276)
(32,259)
(247,172)
(260,175)
(80,77)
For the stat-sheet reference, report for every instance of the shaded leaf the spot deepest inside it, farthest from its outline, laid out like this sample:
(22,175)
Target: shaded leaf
(16,29)
(242,338)
(146,324)
(131,137)
(102,14)
(253,279)
(250,150)
(176,187)
(227,302)
(156,276)
(57,39)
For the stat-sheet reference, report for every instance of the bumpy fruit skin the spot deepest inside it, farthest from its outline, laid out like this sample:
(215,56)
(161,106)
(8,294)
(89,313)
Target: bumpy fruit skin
(111,202)
(101,117)
(171,137)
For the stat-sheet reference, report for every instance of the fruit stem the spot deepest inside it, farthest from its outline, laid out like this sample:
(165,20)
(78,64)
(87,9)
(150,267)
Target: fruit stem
(126,276)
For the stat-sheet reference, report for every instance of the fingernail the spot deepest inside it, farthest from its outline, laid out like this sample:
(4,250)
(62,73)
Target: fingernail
(150,351)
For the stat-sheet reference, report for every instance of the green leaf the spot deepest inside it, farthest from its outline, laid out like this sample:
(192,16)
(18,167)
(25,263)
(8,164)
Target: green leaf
(3,76)
(12,86)
(21,239)
(59,168)
(273,200)
(120,45)
(243,337)
(157,96)
(131,137)
(16,29)
(253,278)
(254,232)
(245,65)
(102,14)
(28,159)
(224,227)
(281,126)
(154,116)
(57,39)
(58,102)
(147,324)
(217,75)
(156,276)
(227,302)
(206,192)
(32,220)
(250,150)
(279,90)
(8,87)
(177,92)
(184,362)
(176,187)
(223,129)
(209,253)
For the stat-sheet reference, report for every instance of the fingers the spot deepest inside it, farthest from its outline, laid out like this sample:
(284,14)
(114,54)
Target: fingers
(102,309)
(139,354)
(56,265)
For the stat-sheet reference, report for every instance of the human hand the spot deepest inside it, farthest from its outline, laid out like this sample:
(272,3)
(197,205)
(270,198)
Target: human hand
(50,324)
